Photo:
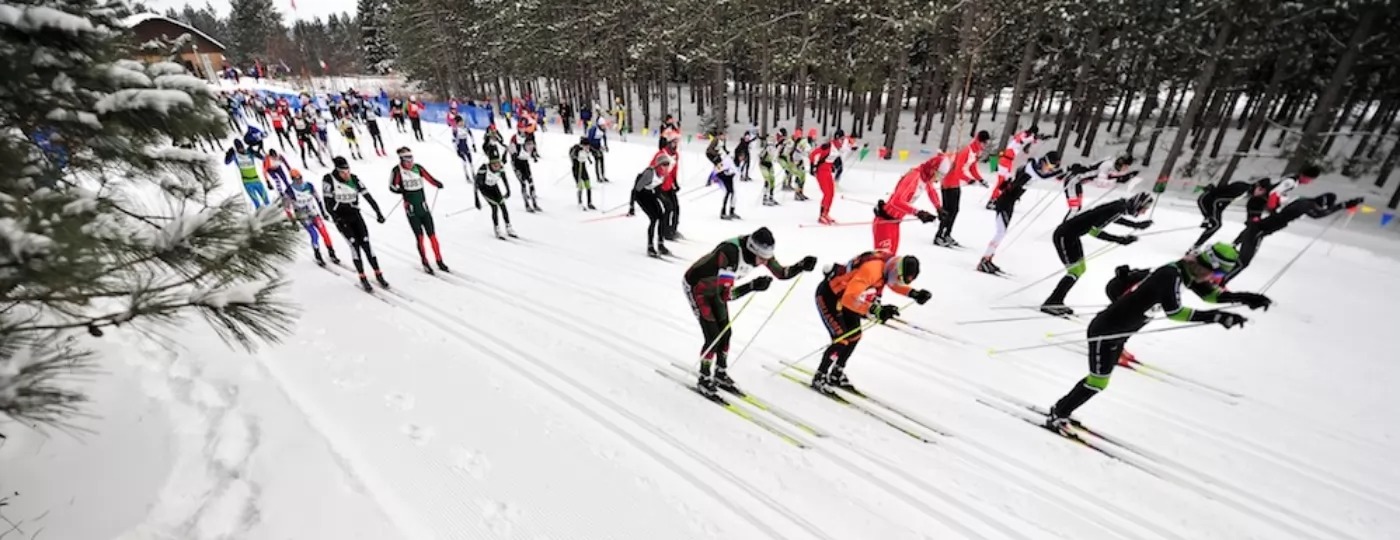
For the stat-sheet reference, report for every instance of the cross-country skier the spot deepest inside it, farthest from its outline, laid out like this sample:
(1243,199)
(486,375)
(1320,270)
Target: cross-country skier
(1214,199)
(964,171)
(490,180)
(341,191)
(414,111)
(308,210)
(646,192)
(670,187)
(1109,331)
(279,125)
(1100,173)
(396,111)
(253,137)
(276,167)
(372,126)
(527,127)
(710,286)
(1254,233)
(407,179)
(247,162)
(302,125)
(824,159)
(797,162)
(741,154)
(849,296)
(791,175)
(579,157)
(347,130)
(1278,193)
(890,212)
(1092,223)
(520,161)
(766,153)
(717,148)
(597,139)
(464,142)
(493,144)
(1046,167)
(725,173)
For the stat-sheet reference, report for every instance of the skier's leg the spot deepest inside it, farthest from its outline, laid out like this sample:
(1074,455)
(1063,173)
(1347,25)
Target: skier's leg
(1248,245)
(1103,355)
(416,225)
(252,189)
(828,186)
(321,226)
(1071,253)
(1001,219)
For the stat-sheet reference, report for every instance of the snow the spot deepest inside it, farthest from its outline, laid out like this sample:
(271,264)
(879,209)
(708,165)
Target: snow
(40,18)
(135,99)
(520,399)
(167,68)
(128,74)
(220,298)
(82,117)
(187,83)
(21,244)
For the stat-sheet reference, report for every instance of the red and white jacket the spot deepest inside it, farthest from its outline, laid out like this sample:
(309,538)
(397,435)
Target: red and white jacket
(901,201)
(965,169)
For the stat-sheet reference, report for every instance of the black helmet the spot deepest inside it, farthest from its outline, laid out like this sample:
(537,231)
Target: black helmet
(983,136)
(902,270)
(1052,157)
(341,163)
(840,134)
(761,243)
(1310,170)
(1124,279)
(1139,203)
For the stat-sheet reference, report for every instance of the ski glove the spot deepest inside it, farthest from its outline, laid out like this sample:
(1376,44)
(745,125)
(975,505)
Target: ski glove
(631,212)
(884,312)
(1126,240)
(1227,319)
(921,296)
(1142,224)
(761,283)
(1249,299)
(379,218)
(808,263)
(1353,203)
(926,217)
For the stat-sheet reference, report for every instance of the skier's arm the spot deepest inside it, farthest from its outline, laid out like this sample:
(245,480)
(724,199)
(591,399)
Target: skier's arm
(476,186)
(428,177)
(1099,233)
(395,181)
(858,295)
(1133,224)
(370,199)
(228,156)
(788,272)
(320,201)
(326,190)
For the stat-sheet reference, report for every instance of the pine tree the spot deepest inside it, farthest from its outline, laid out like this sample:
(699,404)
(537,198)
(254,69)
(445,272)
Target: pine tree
(251,24)
(374,36)
(104,223)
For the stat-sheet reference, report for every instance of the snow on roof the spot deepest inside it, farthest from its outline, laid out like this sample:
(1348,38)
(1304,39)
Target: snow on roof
(139,18)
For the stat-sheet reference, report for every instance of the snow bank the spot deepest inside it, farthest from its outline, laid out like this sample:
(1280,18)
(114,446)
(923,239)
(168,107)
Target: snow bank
(133,99)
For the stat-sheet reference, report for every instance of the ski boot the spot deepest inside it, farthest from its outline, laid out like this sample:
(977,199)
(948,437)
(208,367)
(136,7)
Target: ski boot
(825,220)
(379,276)
(1057,310)
(529,208)
(427,267)
(1057,423)
(819,382)
(442,266)
(319,260)
(651,251)
(725,383)
(943,241)
(330,252)
(799,196)
(498,233)
(839,380)
(661,248)
(706,385)
(364,284)
(986,266)
(591,207)
(733,215)
(787,186)
(510,231)
(1126,359)
(724,215)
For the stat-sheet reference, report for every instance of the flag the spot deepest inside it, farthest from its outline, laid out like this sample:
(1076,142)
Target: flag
(903,155)
(324,67)
(863,152)
(1368,209)
(294,5)
(1386,218)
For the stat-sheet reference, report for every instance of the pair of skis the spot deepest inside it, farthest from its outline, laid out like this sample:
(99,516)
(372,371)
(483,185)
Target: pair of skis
(753,405)
(895,417)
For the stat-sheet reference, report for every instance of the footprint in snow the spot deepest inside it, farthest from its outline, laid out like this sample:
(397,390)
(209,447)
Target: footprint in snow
(399,402)
(470,462)
(420,435)
(500,517)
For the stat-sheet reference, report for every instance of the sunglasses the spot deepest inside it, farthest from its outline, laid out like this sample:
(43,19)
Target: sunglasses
(405,156)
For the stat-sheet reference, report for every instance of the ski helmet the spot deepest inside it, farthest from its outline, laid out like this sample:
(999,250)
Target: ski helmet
(983,136)
(1052,157)
(664,160)
(1309,172)
(760,243)
(296,174)
(1122,161)
(1124,279)
(1138,203)
(840,134)
(902,270)
(341,163)
(1220,257)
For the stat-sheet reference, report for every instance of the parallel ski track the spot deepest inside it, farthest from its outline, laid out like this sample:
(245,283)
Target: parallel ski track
(996,521)
(1272,513)
(464,331)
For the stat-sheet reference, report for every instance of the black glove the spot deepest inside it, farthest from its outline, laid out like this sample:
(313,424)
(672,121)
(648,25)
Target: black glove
(884,312)
(379,218)
(1227,319)
(1127,240)
(1144,224)
(921,296)
(761,283)
(925,216)
(631,212)
(808,263)
(1249,299)
(1353,203)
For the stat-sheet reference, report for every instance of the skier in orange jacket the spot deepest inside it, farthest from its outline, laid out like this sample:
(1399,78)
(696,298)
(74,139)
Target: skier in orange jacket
(849,296)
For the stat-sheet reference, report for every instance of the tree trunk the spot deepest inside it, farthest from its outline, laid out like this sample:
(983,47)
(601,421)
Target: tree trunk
(801,94)
(1223,124)
(1149,104)
(1256,122)
(1203,85)
(961,70)
(898,76)
(1309,145)
(1059,115)
(935,89)
(1387,167)
(1386,124)
(1093,129)
(1382,111)
(996,102)
(857,114)
(1036,106)
(1081,87)
(719,98)
(1023,75)
(1162,120)
(838,104)
(1351,102)
(977,108)
(1127,110)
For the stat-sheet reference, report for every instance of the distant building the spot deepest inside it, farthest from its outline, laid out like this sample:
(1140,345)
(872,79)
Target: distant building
(201,54)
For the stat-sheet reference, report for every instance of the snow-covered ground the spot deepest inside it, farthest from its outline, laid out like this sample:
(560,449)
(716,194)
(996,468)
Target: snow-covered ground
(520,398)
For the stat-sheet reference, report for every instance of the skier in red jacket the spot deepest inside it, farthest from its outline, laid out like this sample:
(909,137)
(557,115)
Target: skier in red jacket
(824,158)
(889,213)
(964,171)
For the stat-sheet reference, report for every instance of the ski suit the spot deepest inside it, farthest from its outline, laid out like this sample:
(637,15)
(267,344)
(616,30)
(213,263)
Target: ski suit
(964,171)
(1103,172)
(278,168)
(900,203)
(247,163)
(645,194)
(824,158)
(1005,204)
(579,156)
(1254,233)
(520,161)
(415,111)
(597,142)
(308,211)
(462,136)
(491,183)
(1213,202)
(342,199)
(408,182)
(670,186)
(765,167)
(372,126)
(1071,251)
(710,286)
(849,296)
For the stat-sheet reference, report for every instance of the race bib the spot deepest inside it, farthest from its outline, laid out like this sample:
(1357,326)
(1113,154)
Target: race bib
(412,181)
(742,269)
(346,194)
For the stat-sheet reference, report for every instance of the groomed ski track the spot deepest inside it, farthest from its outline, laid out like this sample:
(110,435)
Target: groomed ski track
(464,401)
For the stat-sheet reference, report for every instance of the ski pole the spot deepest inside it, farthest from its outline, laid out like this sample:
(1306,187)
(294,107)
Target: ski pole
(706,352)
(1158,318)
(1096,253)
(1165,231)
(1074,306)
(1022,224)
(1007,319)
(928,331)
(433,205)
(462,211)
(864,326)
(604,218)
(1269,284)
(994,352)
(854,224)
(855,200)
(756,333)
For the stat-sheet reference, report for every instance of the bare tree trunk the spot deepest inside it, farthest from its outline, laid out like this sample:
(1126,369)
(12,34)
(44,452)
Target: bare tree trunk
(1203,85)
(1386,124)
(1081,87)
(898,76)
(996,102)
(1060,115)
(1382,111)
(1223,125)
(1256,122)
(1387,167)
(1127,110)
(1094,128)
(935,89)
(977,107)
(1163,119)
(1149,104)
(961,71)
(719,98)
(1036,107)
(838,104)
(1309,147)
(1351,102)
